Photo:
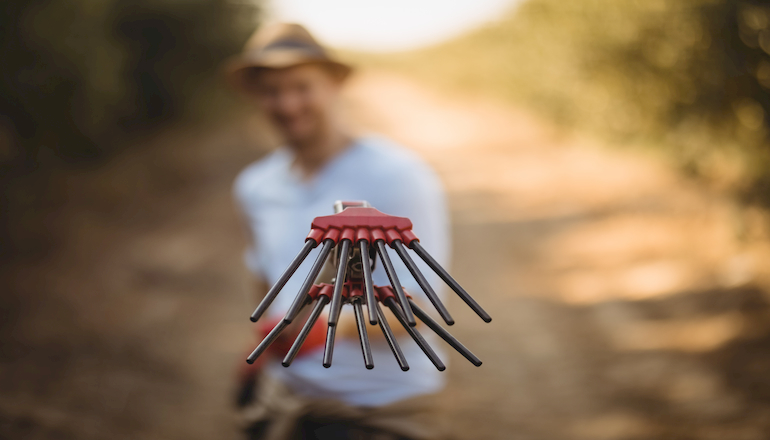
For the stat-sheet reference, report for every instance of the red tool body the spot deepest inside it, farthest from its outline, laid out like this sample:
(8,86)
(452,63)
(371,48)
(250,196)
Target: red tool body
(358,224)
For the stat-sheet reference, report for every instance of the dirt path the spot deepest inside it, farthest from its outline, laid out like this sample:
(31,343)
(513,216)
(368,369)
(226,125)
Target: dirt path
(627,299)
(628,303)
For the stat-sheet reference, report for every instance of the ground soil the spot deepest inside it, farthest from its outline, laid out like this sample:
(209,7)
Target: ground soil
(629,302)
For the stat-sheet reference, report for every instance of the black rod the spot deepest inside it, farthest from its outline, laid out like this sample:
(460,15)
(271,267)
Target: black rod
(445,335)
(331,331)
(420,278)
(383,251)
(392,341)
(284,278)
(269,339)
(336,307)
(419,250)
(371,301)
(302,295)
(421,342)
(366,349)
(317,309)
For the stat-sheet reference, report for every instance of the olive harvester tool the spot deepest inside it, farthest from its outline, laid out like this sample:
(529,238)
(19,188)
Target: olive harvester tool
(360,234)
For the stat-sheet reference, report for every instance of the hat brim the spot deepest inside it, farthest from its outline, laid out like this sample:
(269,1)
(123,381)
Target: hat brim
(235,68)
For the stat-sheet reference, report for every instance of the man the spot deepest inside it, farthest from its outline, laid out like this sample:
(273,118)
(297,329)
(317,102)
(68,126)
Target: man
(297,84)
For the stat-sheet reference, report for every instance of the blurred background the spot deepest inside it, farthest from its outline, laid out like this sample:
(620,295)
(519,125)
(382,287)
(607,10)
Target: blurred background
(608,168)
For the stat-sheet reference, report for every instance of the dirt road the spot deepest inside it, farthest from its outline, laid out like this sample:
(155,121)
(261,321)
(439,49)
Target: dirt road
(629,303)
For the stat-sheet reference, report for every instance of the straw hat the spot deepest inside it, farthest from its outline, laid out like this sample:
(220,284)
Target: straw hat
(279,46)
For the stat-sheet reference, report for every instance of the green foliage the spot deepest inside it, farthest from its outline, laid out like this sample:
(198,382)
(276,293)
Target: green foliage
(690,77)
(78,73)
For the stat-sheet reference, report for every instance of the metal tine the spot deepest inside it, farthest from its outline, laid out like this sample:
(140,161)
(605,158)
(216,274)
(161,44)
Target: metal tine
(421,342)
(311,320)
(365,347)
(274,333)
(420,278)
(391,272)
(284,278)
(269,339)
(319,262)
(445,335)
(419,250)
(391,338)
(336,307)
(371,301)
(331,331)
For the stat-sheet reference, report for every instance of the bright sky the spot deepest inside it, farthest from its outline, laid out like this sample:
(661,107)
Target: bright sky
(378,25)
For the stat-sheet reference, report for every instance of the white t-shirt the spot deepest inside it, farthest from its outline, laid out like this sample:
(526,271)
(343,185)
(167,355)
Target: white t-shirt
(279,207)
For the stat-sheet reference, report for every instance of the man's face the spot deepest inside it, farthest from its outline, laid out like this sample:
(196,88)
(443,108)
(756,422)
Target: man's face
(299,100)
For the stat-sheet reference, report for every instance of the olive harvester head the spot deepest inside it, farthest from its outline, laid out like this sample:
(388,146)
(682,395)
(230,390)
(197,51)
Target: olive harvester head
(360,234)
